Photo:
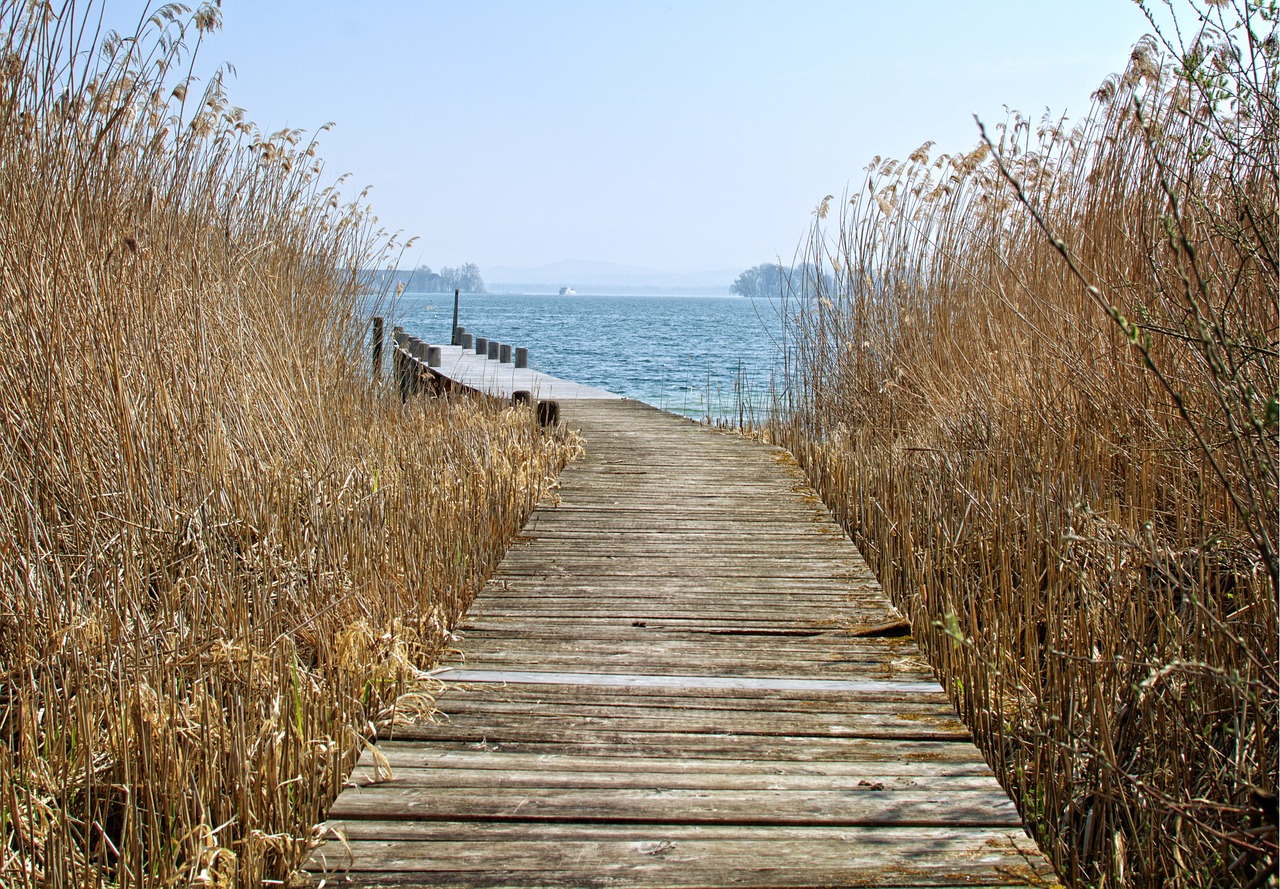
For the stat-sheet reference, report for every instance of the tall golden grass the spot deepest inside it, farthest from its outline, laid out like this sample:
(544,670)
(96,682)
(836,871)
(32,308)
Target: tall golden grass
(1040,389)
(222,551)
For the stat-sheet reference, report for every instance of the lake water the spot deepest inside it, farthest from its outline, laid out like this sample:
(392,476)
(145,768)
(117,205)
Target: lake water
(701,356)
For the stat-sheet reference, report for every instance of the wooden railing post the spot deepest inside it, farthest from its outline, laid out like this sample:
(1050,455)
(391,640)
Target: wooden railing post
(399,362)
(454,340)
(416,347)
(548,413)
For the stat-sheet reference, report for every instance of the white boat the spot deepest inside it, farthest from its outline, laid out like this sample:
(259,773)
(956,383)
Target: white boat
(568,291)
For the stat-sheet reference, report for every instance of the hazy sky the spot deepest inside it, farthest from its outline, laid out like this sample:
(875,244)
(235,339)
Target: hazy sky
(676,136)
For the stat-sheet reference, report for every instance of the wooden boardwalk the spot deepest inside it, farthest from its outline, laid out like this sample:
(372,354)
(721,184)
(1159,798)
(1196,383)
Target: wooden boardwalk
(663,685)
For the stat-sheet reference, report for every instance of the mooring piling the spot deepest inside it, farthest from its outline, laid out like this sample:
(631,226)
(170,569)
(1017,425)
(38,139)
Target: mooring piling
(378,334)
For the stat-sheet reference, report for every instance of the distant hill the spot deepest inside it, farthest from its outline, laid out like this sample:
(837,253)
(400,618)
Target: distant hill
(604,277)
(583,276)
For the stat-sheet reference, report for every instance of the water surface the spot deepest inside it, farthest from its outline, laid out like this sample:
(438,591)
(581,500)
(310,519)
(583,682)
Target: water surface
(701,356)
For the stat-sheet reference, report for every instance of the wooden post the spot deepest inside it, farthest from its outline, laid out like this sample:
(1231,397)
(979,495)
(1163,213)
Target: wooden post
(427,376)
(521,396)
(494,348)
(467,342)
(454,341)
(482,346)
(418,351)
(548,413)
(739,387)
(379,331)
(504,354)
(434,358)
(399,363)
(522,357)
(410,366)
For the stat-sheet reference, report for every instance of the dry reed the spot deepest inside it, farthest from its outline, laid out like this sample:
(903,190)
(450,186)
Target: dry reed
(222,552)
(1041,392)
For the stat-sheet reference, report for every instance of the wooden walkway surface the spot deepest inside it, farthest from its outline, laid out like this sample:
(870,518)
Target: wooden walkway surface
(662,686)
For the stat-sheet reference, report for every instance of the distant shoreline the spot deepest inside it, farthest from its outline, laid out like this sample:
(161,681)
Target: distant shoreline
(532,289)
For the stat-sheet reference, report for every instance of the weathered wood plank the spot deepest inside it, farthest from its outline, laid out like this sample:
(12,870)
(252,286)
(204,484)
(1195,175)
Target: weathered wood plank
(731,701)
(663,644)
(522,779)
(846,723)
(639,855)
(928,856)
(674,517)
(774,590)
(667,617)
(494,724)
(783,835)
(853,807)
(708,747)
(676,744)
(457,758)
(629,661)
(655,569)
(684,683)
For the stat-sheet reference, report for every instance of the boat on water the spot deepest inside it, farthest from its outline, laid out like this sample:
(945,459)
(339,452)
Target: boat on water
(568,291)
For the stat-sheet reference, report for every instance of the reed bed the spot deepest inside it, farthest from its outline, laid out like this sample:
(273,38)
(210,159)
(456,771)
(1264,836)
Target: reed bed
(224,553)
(1040,389)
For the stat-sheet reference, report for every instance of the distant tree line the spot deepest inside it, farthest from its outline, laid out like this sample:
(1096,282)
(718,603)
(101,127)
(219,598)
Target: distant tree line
(772,279)
(423,280)
(465,278)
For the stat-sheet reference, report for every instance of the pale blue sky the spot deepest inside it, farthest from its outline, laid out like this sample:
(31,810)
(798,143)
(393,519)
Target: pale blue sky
(676,136)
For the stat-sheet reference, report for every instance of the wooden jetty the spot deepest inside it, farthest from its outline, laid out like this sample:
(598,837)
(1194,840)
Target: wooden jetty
(465,368)
(475,365)
(679,677)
